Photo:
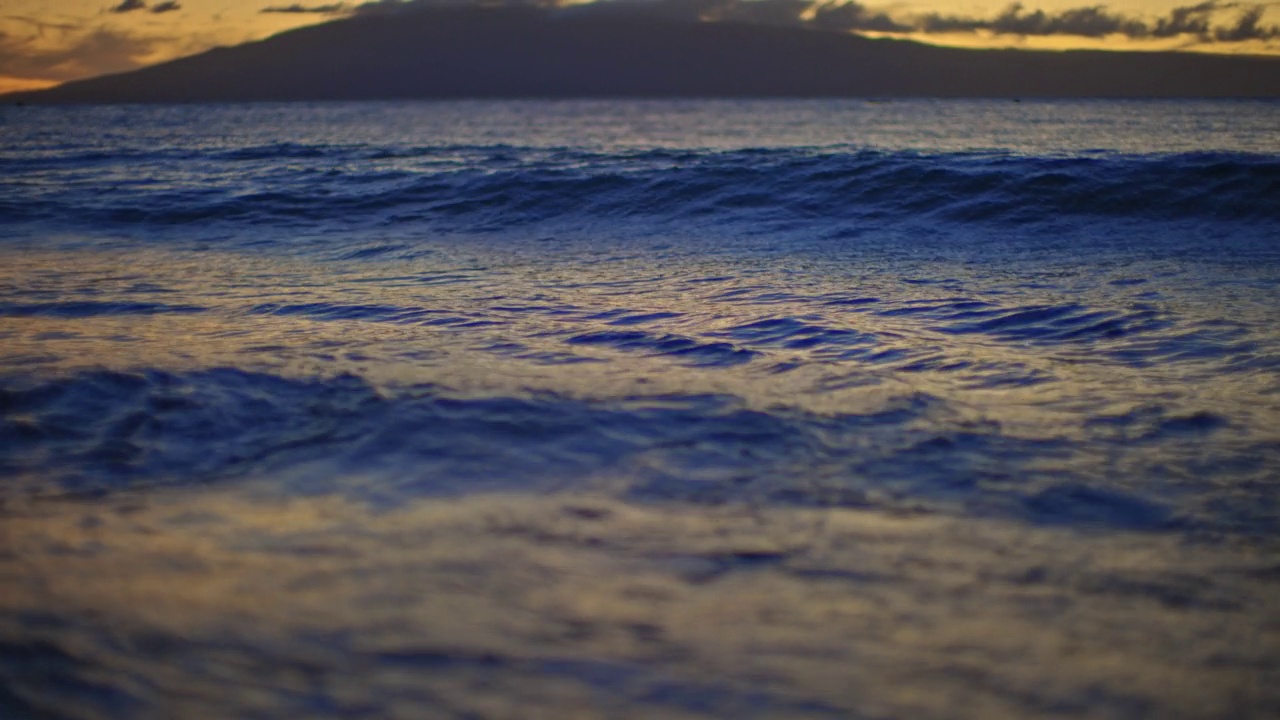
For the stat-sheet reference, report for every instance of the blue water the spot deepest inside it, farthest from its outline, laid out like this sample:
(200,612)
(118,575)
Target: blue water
(640,409)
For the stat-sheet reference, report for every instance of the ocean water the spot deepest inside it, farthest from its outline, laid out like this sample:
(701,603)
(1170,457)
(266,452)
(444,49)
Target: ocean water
(688,409)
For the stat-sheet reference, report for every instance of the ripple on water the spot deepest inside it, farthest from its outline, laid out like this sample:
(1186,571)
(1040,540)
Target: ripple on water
(86,309)
(98,432)
(683,349)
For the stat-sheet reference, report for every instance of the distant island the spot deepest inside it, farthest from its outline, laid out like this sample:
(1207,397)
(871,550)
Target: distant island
(519,52)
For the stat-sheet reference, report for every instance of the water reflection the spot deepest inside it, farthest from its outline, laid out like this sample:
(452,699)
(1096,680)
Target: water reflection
(850,468)
(523,606)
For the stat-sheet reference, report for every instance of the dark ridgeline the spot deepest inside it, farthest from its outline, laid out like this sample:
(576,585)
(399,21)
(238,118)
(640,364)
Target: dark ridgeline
(530,52)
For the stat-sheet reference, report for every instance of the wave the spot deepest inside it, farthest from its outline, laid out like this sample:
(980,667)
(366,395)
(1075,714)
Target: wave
(503,187)
(100,432)
(1137,334)
(85,309)
(1050,324)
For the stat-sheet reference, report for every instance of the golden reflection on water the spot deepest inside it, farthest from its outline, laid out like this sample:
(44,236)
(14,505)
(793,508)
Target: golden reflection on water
(459,341)
(1085,398)
(581,605)
(855,612)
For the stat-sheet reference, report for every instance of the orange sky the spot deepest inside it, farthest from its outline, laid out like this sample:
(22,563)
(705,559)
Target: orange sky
(45,42)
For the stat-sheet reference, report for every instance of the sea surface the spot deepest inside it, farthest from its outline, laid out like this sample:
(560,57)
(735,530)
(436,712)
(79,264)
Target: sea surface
(661,409)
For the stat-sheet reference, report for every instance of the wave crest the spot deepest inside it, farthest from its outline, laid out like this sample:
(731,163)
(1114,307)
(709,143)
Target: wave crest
(499,187)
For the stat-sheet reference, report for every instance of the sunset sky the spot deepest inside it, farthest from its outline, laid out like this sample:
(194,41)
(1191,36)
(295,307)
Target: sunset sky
(45,42)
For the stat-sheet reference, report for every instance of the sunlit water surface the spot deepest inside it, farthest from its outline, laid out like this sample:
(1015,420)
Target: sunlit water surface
(657,409)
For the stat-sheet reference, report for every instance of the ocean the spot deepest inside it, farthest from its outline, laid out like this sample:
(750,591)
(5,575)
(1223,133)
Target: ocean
(639,409)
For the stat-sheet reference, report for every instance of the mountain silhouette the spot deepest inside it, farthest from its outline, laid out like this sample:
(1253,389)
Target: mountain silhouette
(471,52)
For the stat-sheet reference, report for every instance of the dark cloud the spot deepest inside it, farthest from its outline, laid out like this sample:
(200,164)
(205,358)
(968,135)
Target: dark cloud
(840,16)
(854,16)
(1085,22)
(1248,27)
(1187,20)
(334,9)
(1096,22)
(128,6)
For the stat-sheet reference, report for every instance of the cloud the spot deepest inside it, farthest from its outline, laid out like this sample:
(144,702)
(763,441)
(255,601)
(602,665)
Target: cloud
(855,16)
(839,16)
(1093,22)
(1248,27)
(128,6)
(334,9)
(1096,22)
(1188,20)
(43,25)
(91,52)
